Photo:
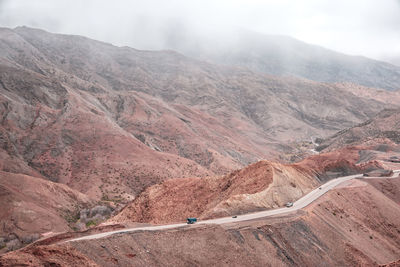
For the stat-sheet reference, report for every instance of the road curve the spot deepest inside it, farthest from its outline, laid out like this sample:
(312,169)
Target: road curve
(299,204)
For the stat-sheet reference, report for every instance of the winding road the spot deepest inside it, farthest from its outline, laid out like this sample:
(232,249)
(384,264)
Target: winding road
(299,204)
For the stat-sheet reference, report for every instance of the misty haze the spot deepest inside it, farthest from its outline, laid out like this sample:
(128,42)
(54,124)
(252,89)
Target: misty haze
(212,133)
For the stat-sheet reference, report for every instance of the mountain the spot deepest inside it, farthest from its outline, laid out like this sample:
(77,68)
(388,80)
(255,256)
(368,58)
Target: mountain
(339,229)
(376,139)
(285,56)
(384,128)
(86,126)
(259,186)
(109,122)
(31,206)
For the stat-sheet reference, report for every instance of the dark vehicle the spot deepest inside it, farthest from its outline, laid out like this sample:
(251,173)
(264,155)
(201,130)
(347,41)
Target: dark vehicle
(191,220)
(234,216)
(320,188)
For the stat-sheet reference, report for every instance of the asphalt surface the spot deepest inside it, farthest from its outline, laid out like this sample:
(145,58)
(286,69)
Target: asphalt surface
(299,204)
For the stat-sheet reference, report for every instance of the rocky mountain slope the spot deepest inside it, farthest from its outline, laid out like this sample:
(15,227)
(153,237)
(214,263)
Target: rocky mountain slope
(83,121)
(383,129)
(285,56)
(259,186)
(31,206)
(110,121)
(59,135)
(329,231)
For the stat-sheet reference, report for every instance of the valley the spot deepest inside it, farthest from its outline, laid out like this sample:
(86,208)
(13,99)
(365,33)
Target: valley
(105,151)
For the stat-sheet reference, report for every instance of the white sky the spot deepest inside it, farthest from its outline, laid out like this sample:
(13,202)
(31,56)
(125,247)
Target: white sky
(360,27)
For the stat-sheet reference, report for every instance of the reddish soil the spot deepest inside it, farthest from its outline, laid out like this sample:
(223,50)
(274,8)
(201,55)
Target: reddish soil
(345,161)
(392,264)
(32,205)
(83,121)
(330,231)
(389,188)
(51,255)
(177,199)
(84,113)
(110,122)
(368,219)
(259,186)
(86,150)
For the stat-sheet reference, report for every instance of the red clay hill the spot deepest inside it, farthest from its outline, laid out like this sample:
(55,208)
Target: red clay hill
(259,186)
(330,231)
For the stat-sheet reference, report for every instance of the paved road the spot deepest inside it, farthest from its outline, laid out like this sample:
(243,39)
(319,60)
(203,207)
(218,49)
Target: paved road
(299,204)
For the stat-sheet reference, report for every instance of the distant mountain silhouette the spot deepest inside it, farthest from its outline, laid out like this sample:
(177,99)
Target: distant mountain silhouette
(283,56)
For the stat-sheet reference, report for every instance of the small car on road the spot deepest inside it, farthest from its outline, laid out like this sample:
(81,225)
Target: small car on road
(289,204)
(191,220)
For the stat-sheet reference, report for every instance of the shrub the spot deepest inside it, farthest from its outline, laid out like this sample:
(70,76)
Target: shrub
(90,223)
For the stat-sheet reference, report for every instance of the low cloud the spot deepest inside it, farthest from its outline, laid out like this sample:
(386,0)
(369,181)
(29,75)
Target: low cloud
(362,27)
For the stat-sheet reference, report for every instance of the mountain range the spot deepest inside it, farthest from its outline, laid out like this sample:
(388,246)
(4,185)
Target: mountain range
(88,128)
(285,56)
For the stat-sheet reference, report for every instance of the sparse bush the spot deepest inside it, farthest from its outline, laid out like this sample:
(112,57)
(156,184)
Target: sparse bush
(13,244)
(2,243)
(90,223)
(30,238)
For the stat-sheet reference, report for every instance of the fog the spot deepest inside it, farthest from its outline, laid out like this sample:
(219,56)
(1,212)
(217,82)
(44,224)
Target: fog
(358,27)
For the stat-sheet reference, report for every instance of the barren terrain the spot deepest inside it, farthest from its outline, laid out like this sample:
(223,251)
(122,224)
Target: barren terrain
(383,129)
(87,128)
(259,186)
(31,206)
(328,231)
(110,121)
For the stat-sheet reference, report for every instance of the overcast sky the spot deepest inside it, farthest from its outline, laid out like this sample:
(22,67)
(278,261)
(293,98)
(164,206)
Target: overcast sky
(359,27)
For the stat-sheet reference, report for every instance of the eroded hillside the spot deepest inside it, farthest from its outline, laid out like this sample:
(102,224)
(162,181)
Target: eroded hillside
(110,121)
(260,186)
(328,231)
(382,129)
(84,122)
